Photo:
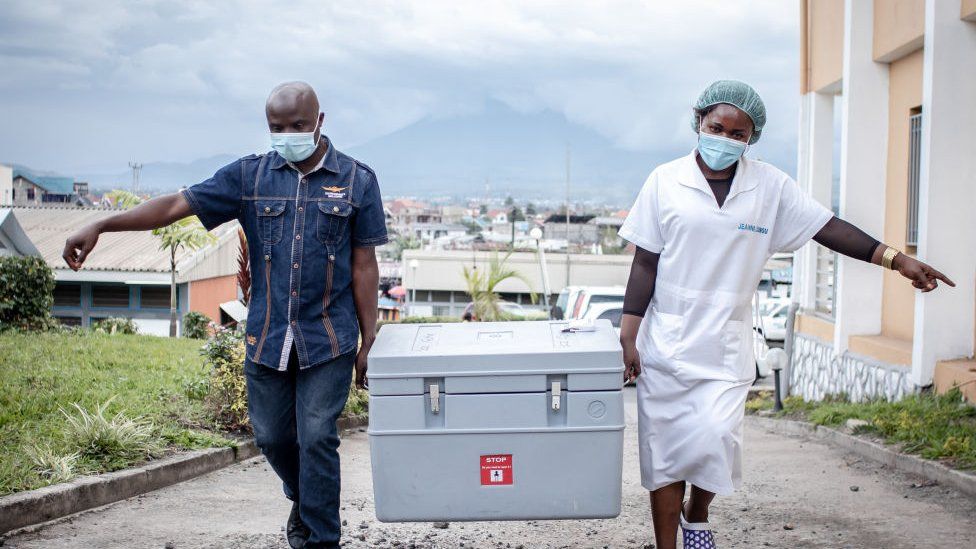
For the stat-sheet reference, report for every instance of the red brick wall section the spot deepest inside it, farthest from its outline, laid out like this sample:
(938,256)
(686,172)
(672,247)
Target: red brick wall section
(206,295)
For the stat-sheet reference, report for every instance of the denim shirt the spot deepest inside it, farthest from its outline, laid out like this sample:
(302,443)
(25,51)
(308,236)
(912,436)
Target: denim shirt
(300,233)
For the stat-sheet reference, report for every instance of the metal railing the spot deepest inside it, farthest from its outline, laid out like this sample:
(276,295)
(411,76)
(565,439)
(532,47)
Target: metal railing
(914,174)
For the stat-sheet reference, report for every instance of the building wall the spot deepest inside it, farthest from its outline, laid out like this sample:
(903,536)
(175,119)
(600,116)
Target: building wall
(150,320)
(6,185)
(206,295)
(899,27)
(20,189)
(905,94)
(825,43)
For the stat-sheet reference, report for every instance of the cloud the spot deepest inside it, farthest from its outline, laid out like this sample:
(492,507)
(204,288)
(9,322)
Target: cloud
(178,80)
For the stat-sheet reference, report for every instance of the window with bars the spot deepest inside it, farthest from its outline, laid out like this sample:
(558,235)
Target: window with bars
(110,295)
(67,295)
(914,174)
(826,281)
(155,297)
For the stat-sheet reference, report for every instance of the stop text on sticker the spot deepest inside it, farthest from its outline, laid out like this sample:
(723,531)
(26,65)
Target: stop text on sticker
(497,470)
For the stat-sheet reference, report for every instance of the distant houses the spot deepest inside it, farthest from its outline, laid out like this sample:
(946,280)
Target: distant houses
(21,186)
(127,275)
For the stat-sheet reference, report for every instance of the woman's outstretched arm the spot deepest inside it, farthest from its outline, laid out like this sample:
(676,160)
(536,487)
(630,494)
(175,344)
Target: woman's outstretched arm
(640,289)
(844,238)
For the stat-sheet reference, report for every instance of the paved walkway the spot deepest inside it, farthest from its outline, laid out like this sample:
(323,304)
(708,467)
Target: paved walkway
(797,493)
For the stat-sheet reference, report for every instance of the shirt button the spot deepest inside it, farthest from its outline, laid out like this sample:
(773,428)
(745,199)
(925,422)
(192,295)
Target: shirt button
(267,258)
(295,265)
(298,237)
(301,208)
(335,208)
(304,180)
(267,209)
(293,323)
(331,257)
(294,293)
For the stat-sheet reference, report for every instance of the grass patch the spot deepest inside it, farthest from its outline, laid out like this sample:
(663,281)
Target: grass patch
(941,427)
(137,397)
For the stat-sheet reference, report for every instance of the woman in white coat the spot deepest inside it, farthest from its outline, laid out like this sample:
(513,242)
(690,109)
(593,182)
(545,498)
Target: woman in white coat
(704,226)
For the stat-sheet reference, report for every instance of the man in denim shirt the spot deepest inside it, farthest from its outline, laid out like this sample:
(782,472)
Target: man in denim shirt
(312,217)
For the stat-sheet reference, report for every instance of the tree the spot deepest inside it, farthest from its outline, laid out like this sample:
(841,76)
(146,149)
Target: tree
(509,201)
(187,233)
(481,287)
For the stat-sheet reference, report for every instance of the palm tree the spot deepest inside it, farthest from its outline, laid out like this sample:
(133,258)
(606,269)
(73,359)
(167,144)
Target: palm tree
(189,234)
(481,287)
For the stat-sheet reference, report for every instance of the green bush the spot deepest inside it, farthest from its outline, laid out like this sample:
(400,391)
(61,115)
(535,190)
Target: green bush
(195,325)
(26,293)
(224,354)
(116,325)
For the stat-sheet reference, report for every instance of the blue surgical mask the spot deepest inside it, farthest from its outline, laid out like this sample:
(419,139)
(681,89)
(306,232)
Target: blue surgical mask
(294,147)
(719,152)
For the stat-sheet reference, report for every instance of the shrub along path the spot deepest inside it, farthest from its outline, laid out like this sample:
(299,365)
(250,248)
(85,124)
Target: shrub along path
(138,397)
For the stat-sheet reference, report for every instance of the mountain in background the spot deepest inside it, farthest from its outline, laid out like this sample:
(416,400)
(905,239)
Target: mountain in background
(517,154)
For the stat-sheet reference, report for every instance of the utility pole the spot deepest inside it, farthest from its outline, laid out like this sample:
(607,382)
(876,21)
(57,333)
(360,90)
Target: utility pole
(136,171)
(567,214)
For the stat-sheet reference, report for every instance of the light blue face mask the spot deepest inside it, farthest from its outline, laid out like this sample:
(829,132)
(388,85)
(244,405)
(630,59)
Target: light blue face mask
(294,147)
(719,152)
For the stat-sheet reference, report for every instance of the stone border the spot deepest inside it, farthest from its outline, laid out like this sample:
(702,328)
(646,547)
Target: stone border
(930,470)
(81,494)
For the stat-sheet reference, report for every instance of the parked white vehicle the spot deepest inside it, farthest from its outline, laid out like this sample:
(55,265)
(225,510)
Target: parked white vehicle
(574,301)
(611,311)
(772,313)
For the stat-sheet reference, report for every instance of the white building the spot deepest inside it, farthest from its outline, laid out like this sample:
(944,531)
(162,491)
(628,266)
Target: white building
(895,81)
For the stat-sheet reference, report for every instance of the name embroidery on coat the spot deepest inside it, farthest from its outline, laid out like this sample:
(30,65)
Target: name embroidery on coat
(753,228)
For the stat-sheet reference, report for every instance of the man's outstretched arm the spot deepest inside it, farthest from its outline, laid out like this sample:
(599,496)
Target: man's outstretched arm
(153,214)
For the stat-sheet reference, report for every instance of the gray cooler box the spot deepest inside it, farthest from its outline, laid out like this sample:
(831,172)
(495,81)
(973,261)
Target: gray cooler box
(495,421)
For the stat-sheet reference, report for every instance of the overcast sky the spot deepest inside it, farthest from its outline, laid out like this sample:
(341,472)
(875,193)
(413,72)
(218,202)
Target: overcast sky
(88,85)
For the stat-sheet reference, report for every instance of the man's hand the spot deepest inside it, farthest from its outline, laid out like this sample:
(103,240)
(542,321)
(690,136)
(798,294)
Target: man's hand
(79,245)
(361,365)
(922,275)
(632,364)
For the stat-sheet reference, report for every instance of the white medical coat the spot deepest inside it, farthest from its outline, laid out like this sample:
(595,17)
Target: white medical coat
(695,341)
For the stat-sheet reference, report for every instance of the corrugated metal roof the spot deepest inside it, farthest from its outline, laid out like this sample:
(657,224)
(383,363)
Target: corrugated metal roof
(55,184)
(49,228)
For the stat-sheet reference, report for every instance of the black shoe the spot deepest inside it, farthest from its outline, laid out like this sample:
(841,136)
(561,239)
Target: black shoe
(296,531)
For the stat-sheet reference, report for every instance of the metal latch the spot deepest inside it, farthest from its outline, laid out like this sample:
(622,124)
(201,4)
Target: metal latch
(435,399)
(556,389)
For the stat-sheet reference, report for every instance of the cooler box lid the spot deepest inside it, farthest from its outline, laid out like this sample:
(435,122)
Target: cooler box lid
(490,351)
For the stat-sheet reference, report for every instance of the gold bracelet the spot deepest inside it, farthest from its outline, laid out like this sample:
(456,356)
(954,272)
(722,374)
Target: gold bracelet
(889,257)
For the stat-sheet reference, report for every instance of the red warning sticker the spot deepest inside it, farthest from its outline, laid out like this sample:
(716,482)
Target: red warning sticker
(496,470)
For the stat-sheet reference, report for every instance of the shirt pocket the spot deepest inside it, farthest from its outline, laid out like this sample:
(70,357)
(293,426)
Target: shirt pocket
(270,219)
(333,220)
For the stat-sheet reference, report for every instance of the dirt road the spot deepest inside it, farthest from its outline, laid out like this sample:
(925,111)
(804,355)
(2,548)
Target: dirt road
(797,493)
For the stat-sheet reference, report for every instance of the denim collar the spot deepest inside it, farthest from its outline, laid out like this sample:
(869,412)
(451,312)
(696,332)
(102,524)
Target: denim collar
(330,161)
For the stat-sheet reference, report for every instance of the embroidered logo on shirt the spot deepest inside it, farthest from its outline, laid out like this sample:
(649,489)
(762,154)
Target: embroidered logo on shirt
(753,228)
(335,192)
(251,340)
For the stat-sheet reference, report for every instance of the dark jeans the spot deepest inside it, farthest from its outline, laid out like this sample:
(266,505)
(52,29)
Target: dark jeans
(294,414)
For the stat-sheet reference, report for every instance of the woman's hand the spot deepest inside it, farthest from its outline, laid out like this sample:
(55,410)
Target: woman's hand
(632,364)
(922,275)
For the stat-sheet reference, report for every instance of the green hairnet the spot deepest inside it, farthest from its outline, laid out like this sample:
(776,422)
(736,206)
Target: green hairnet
(739,95)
